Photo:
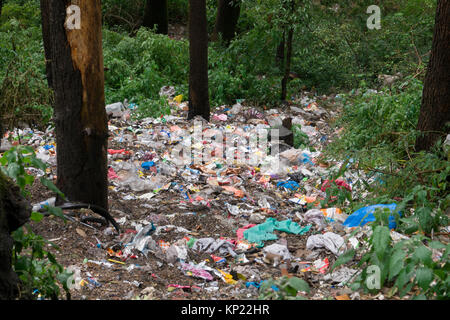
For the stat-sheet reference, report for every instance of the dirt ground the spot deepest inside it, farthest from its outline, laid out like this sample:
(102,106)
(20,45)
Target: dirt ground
(94,249)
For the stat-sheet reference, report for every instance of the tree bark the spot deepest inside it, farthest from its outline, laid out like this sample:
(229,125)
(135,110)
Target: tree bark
(15,211)
(198,66)
(435,108)
(279,59)
(156,14)
(80,116)
(228,12)
(287,69)
(46,39)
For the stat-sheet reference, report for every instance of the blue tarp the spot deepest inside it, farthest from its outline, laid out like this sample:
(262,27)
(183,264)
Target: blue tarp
(364,215)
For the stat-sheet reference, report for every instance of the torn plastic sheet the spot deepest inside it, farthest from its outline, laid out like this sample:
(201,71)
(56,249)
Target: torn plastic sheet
(210,245)
(279,250)
(196,271)
(340,276)
(264,231)
(329,240)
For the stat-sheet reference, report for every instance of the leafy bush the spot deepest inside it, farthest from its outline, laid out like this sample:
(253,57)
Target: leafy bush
(24,93)
(36,267)
(377,145)
(402,266)
(379,136)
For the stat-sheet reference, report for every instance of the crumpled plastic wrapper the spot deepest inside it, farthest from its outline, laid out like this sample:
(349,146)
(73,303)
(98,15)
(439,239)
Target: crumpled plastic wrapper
(329,240)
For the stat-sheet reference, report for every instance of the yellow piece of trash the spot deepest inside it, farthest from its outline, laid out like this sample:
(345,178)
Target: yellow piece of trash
(83,282)
(228,278)
(178,98)
(111,260)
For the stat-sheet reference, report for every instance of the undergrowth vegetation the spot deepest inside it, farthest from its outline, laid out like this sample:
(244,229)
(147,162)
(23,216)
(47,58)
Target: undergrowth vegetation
(139,62)
(377,144)
(333,52)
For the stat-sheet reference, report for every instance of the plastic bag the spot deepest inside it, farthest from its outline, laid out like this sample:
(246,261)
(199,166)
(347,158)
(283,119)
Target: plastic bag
(364,215)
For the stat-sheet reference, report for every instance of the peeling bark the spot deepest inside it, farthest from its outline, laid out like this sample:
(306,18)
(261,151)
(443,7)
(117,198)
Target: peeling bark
(80,115)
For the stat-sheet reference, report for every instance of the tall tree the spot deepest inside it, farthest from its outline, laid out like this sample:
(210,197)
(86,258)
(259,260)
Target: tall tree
(435,108)
(228,12)
(45,31)
(156,14)
(198,65)
(74,44)
(287,66)
(289,29)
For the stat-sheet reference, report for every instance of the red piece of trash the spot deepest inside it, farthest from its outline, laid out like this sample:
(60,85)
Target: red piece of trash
(340,183)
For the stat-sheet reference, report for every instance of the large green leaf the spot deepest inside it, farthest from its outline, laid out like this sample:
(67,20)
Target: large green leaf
(13,170)
(424,276)
(381,240)
(36,216)
(423,254)
(396,263)
(55,211)
(298,284)
(47,183)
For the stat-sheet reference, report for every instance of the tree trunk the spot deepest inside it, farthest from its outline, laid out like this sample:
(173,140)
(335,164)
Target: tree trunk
(435,109)
(47,45)
(156,14)
(80,116)
(279,59)
(198,66)
(287,69)
(15,211)
(228,12)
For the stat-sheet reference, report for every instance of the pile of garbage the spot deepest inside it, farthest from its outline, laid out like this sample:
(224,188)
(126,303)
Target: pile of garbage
(225,204)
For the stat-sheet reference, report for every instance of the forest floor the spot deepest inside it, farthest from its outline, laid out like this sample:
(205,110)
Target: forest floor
(193,208)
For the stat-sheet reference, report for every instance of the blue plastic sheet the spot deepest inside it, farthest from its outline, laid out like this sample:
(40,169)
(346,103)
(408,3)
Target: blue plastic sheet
(291,185)
(147,165)
(365,215)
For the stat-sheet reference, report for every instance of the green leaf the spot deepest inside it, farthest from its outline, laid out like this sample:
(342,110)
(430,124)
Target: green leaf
(64,277)
(13,170)
(55,211)
(38,163)
(381,239)
(298,284)
(424,276)
(396,263)
(29,179)
(36,216)
(437,245)
(343,258)
(402,279)
(290,291)
(52,187)
(423,254)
